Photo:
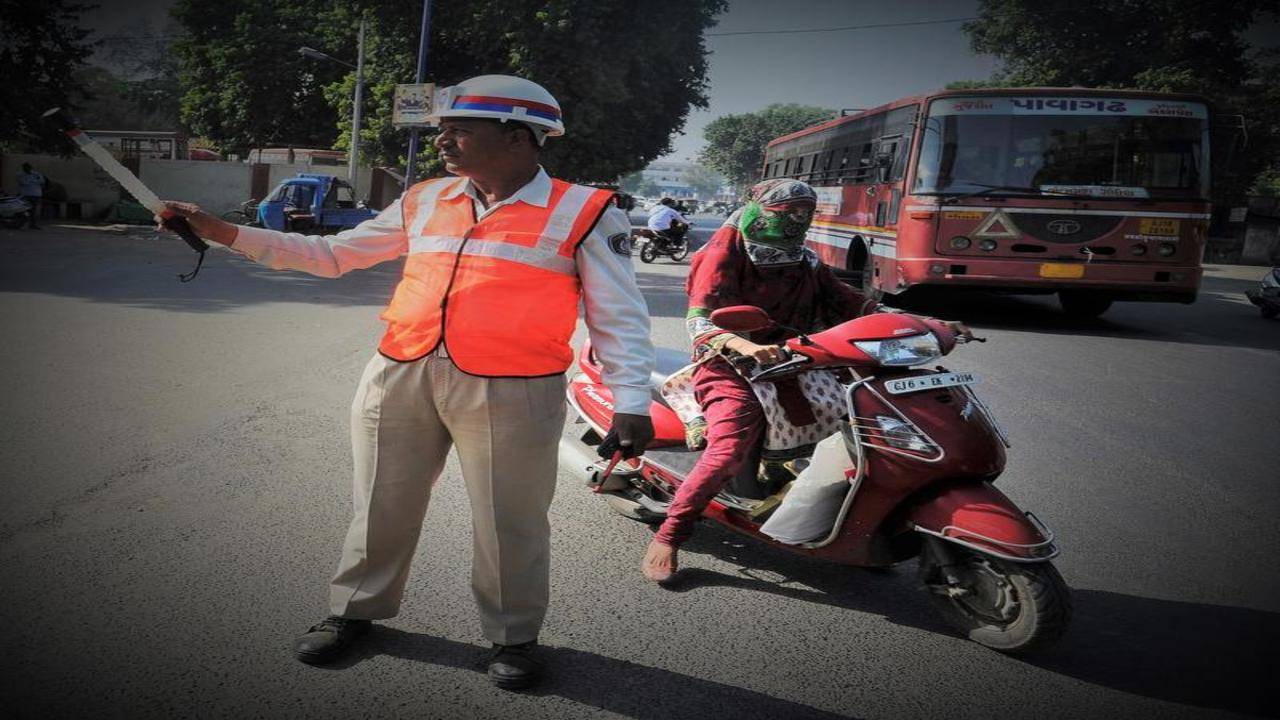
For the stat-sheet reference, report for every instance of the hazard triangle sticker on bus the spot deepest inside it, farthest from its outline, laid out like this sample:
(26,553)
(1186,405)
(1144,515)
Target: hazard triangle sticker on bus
(997,225)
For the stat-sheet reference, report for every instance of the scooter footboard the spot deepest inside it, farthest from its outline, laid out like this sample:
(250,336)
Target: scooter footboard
(979,517)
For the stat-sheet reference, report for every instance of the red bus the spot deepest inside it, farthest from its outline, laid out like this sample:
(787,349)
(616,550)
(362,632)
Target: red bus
(1097,195)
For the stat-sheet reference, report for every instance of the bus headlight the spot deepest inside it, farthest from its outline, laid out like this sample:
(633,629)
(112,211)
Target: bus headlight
(960,242)
(1138,249)
(1166,249)
(987,245)
(903,351)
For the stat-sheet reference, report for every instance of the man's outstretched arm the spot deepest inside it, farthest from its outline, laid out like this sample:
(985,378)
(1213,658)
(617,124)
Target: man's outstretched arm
(375,240)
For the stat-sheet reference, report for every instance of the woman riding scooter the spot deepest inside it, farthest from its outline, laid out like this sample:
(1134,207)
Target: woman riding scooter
(756,258)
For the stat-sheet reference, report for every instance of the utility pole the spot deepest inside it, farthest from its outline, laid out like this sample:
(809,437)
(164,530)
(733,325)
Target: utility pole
(423,38)
(357,110)
(353,156)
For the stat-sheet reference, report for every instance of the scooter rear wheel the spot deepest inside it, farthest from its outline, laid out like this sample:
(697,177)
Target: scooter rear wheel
(648,253)
(1014,608)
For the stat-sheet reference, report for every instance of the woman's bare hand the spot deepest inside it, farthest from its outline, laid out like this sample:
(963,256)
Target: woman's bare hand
(763,354)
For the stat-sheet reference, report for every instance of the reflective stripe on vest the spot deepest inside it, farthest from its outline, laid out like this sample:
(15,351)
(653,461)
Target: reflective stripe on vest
(505,288)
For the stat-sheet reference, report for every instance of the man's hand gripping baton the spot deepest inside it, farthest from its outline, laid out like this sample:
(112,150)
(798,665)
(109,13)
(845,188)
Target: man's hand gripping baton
(129,182)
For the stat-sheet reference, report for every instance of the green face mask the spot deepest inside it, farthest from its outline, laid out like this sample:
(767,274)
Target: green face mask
(783,228)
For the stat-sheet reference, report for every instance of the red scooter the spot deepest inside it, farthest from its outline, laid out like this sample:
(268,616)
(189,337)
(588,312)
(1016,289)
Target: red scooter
(923,454)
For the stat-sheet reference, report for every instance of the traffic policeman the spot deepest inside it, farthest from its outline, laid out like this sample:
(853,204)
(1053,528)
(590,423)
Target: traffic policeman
(499,257)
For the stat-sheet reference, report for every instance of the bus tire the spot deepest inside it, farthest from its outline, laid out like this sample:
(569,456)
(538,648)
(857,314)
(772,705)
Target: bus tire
(860,264)
(1083,303)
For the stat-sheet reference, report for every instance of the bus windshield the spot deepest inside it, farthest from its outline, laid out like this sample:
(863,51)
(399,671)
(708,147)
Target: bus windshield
(1093,147)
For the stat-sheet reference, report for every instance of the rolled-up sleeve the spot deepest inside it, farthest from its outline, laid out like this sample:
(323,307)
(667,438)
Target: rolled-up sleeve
(617,316)
(375,240)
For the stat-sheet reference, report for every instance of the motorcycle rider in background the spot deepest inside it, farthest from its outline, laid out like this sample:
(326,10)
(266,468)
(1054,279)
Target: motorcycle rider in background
(666,221)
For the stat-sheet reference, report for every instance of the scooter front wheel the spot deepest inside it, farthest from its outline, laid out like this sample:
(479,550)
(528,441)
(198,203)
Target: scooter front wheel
(1007,606)
(680,252)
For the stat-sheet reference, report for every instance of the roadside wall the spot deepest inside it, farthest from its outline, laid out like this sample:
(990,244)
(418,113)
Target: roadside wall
(83,180)
(215,186)
(1262,238)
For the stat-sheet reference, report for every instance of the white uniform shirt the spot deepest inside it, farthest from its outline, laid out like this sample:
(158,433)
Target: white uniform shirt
(661,216)
(30,184)
(616,314)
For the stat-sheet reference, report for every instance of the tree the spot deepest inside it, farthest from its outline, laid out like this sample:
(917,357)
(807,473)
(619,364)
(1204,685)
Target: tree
(1160,45)
(735,143)
(245,85)
(625,80)
(704,181)
(42,50)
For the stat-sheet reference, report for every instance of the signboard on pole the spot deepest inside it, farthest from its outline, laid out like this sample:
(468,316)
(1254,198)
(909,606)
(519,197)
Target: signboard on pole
(412,105)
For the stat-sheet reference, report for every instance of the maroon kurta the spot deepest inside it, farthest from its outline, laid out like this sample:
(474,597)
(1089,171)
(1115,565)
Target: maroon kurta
(804,295)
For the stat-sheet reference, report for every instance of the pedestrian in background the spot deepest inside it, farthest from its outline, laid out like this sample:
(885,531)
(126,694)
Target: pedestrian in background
(474,356)
(31,188)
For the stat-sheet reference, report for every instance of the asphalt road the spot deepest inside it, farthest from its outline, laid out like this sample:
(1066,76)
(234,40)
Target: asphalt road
(175,473)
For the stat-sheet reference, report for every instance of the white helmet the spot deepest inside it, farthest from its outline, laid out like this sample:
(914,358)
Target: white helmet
(501,97)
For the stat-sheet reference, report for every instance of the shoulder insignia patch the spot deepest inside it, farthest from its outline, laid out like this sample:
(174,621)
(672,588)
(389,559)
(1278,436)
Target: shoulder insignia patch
(621,244)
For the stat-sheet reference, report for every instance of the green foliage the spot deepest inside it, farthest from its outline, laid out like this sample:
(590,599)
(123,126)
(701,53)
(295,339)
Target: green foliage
(1267,183)
(977,84)
(119,104)
(704,181)
(1161,45)
(625,76)
(735,143)
(42,51)
(245,85)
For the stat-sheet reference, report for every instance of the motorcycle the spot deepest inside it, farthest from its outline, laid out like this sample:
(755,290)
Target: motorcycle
(673,243)
(923,453)
(1267,295)
(15,212)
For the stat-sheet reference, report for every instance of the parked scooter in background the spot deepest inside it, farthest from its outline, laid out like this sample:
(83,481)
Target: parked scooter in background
(918,454)
(15,212)
(1267,295)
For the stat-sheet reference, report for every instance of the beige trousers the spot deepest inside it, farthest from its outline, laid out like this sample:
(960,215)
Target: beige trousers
(404,419)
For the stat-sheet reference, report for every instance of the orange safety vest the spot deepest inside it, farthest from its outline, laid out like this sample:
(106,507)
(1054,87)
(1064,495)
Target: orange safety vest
(502,293)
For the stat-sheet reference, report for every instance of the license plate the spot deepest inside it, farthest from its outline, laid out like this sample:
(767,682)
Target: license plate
(1158,226)
(1061,270)
(928,382)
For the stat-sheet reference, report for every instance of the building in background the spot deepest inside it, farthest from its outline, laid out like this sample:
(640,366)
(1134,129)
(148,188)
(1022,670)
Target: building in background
(298,156)
(669,176)
(150,144)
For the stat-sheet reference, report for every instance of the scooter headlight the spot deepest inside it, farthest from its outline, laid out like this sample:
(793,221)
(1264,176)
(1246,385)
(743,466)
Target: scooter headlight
(900,435)
(903,351)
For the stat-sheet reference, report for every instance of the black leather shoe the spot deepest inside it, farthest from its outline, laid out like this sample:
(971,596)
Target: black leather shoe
(512,667)
(328,640)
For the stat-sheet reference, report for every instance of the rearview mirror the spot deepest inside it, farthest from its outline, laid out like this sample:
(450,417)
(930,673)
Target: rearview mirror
(741,318)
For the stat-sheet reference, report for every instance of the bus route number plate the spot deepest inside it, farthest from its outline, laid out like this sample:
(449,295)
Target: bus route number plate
(929,382)
(1158,226)
(1061,270)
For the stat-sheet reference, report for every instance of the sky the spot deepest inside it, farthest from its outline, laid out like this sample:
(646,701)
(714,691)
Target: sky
(841,69)
(844,69)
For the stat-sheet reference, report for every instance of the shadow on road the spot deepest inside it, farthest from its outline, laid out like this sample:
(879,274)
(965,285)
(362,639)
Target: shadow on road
(1208,656)
(1220,316)
(615,686)
(140,269)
